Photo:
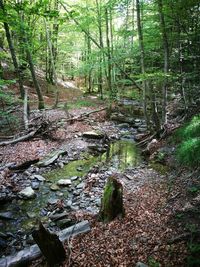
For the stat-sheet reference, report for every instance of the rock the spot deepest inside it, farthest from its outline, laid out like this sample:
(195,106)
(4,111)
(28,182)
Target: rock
(52,201)
(80,186)
(94,134)
(65,223)
(51,158)
(27,193)
(61,164)
(74,178)
(6,215)
(54,187)
(64,182)
(69,203)
(123,125)
(79,169)
(3,243)
(58,216)
(31,214)
(142,129)
(35,185)
(140,264)
(39,177)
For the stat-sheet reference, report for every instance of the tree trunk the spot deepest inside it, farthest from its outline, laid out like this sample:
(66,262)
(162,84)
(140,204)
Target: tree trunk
(166,60)
(112,201)
(50,245)
(142,60)
(108,55)
(12,51)
(55,80)
(35,81)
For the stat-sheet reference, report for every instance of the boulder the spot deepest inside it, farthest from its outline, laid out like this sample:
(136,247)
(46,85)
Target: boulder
(27,193)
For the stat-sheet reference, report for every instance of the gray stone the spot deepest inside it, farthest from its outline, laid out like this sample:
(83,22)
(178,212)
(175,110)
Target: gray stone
(94,134)
(64,182)
(35,185)
(140,264)
(80,186)
(27,193)
(39,177)
(73,178)
(54,187)
(31,214)
(6,215)
(52,201)
(123,125)
(142,129)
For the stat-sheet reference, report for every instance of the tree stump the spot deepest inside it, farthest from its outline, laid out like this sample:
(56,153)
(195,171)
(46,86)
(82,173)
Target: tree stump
(50,245)
(112,201)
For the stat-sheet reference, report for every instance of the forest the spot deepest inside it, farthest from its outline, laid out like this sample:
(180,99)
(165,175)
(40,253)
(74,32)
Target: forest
(100,133)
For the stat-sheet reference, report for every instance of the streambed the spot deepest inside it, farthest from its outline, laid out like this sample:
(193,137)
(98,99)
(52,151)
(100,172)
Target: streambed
(87,175)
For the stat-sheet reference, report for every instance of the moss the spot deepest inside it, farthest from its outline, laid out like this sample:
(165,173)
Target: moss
(112,201)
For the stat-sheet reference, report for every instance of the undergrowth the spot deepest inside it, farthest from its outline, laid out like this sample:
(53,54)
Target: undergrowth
(188,150)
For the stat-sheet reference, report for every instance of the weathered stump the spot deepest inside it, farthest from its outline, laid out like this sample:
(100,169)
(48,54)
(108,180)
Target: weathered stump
(112,201)
(50,245)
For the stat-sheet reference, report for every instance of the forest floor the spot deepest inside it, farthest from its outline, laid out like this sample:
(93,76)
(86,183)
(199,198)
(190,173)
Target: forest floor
(161,222)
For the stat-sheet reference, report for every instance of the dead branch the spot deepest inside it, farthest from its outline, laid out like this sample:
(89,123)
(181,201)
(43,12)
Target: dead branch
(21,138)
(82,116)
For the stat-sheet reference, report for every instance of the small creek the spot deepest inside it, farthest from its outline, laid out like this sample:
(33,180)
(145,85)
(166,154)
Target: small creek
(120,155)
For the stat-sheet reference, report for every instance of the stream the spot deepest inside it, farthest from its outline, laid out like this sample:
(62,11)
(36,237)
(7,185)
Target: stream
(86,176)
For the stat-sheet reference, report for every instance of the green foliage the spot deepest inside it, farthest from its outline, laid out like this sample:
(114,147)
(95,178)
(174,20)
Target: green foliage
(188,151)
(153,263)
(7,120)
(194,259)
(81,103)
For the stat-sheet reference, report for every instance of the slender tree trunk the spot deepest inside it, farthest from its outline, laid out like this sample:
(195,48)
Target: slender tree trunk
(12,51)
(166,60)
(100,76)
(108,55)
(142,60)
(35,81)
(52,64)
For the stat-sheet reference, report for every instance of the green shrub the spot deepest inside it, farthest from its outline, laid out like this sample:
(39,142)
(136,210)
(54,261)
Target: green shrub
(188,151)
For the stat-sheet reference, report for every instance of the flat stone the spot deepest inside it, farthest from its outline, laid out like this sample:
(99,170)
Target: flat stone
(93,134)
(54,187)
(52,201)
(6,215)
(80,186)
(31,214)
(64,182)
(39,177)
(140,264)
(58,216)
(27,193)
(74,178)
(142,129)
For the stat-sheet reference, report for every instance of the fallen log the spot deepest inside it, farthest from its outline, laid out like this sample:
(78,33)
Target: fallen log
(33,252)
(25,165)
(81,117)
(51,158)
(21,138)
